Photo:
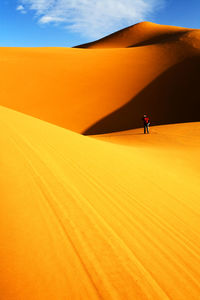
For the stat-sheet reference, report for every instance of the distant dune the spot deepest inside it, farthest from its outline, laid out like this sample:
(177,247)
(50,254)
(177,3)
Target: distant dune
(141,34)
(83,218)
(146,68)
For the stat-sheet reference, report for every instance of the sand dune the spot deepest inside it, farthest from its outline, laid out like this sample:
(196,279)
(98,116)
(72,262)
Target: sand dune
(102,90)
(83,218)
(116,215)
(140,34)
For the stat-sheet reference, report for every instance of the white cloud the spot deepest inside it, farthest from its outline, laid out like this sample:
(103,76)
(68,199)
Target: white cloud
(21,9)
(92,18)
(50,19)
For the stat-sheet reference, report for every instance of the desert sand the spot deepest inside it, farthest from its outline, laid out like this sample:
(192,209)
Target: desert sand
(141,34)
(95,91)
(88,219)
(114,215)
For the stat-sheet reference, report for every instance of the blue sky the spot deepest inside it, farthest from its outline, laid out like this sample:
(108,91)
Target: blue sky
(65,23)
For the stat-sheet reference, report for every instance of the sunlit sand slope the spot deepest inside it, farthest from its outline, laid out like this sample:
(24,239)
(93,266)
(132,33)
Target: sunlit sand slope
(102,90)
(88,219)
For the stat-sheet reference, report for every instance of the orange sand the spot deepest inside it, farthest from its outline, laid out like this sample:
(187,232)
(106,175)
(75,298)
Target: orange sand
(113,216)
(102,90)
(89,219)
(144,33)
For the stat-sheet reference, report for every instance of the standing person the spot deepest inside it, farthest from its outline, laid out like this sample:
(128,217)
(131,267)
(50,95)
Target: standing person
(146,123)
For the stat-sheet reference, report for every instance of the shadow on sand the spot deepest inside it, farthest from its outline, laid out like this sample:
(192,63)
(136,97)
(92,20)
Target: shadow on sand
(160,39)
(173,97)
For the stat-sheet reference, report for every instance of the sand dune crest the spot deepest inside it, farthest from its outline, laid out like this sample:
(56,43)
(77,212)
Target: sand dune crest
(139,34)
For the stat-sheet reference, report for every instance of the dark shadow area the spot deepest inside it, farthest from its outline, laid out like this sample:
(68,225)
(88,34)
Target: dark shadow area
(160,39)
(173,97)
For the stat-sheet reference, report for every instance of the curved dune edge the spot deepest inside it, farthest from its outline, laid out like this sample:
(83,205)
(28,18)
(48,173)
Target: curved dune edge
(95,91)
(140,34)
(88,219)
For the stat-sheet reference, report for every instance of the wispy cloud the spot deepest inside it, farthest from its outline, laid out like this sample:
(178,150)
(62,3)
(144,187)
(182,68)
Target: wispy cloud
(21,9)
(92,18)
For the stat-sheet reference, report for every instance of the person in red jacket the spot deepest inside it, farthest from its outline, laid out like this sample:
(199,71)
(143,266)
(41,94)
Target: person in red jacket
(146,123)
